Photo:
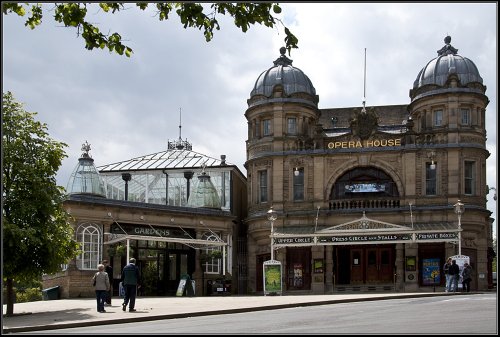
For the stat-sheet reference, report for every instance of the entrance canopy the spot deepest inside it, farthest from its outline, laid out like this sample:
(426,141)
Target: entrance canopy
(368,231)
(194,243)
(125,232)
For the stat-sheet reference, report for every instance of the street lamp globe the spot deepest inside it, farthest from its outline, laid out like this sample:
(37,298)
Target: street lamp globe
(459,208)
(271,214)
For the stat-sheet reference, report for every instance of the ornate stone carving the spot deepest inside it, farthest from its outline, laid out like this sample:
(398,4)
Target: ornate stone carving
(364,123)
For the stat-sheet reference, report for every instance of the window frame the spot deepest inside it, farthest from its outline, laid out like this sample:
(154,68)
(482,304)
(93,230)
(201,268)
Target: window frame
(214,265)
(298,185)
(438,121)
(291,126)
(263,196)
(89,236)
(266,127)
(469,177)
(430,180)
(467,120)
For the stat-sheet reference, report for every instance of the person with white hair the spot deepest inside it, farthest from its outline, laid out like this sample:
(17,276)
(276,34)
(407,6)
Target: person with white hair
(102,286)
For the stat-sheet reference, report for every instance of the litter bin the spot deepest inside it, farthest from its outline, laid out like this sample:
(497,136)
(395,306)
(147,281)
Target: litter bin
(50,293)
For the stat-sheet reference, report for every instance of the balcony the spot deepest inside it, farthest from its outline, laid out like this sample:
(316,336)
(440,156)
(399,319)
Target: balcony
(346,204)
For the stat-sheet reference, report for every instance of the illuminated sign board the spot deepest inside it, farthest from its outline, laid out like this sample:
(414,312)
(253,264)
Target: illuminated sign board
(363,238)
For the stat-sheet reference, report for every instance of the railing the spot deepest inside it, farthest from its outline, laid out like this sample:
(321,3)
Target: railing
(363,203)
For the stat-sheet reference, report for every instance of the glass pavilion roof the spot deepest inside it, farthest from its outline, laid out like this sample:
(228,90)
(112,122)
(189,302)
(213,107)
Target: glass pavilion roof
(161,178)
(169,159)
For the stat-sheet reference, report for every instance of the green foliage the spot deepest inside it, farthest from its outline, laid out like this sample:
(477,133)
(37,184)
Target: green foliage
(74,14)
(121,250)
(29,295)
(37,235)
(25,294)
(149,277)
(213,254)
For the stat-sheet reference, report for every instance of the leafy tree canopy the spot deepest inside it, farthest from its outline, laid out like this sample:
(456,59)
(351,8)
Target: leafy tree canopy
(191,14)
(37,235)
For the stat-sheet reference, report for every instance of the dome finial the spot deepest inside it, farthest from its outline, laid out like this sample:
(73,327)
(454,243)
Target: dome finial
(283,60)
(448,48)
(86,150)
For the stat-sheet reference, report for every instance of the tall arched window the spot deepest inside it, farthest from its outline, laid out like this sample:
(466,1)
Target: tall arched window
(212,266)
(89,237)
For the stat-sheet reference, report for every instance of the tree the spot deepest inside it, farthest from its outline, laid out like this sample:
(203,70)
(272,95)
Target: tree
(37,235)
(74,14)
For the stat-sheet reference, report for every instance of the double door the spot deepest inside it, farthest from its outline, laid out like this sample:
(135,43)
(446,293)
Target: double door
(365,264)
(161,271)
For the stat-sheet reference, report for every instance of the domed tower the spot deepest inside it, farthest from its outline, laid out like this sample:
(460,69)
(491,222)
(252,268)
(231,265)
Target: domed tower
(448,107)
(85,179)
(282,114)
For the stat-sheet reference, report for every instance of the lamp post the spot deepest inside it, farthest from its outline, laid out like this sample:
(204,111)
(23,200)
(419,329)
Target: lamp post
(459,209)
(271,216)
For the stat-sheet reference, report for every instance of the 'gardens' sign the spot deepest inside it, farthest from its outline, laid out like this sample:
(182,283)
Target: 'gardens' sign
(141,230)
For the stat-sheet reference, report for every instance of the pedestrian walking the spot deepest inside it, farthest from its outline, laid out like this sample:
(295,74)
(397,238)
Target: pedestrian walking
(101,285)
(466,277)
(109,270)
(447,275)
(130,280)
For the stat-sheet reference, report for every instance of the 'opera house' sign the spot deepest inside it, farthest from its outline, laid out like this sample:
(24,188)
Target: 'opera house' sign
(364,143)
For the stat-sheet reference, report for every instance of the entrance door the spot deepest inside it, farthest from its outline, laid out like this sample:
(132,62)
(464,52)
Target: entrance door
(151,269)
(342,266)
(357,266)
(177,267)
(378,265)
(298,261)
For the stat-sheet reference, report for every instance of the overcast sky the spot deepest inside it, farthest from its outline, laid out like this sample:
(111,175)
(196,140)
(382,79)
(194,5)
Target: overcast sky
(129,107)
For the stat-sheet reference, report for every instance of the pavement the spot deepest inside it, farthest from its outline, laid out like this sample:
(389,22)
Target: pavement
(79,312)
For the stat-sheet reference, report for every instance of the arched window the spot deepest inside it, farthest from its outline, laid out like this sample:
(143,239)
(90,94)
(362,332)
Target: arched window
(89,237)
(364,182)
(213,265)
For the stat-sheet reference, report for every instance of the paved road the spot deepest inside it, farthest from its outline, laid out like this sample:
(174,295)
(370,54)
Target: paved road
(468,315)
(69,313)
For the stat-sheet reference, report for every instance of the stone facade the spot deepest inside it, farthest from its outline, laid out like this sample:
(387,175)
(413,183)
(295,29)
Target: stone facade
(405,165)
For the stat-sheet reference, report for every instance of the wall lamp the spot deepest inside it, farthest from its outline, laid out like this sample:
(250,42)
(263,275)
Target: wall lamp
(431,156)
(296,172)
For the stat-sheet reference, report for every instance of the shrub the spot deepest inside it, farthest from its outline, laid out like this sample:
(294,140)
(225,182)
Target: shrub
(29,295)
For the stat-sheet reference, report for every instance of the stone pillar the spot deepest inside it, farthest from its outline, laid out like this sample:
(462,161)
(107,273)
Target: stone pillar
(329,269)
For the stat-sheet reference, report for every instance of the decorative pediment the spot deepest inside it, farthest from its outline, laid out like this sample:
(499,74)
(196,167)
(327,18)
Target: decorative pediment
(363,223)
(364,123)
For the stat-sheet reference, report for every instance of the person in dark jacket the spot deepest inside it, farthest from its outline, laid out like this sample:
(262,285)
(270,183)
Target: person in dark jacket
(454,271)
(109,270)
(130,280)
(447,275)
(466,277)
